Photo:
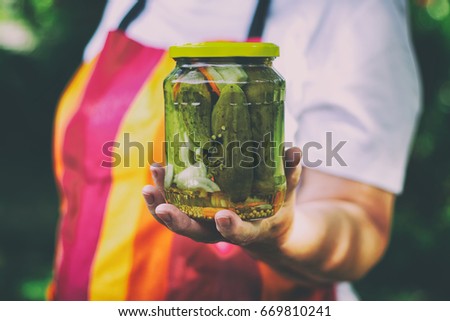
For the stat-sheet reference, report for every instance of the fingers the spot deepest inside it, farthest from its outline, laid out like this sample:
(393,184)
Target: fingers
(237,231)
(182,224)
(228,225)
(153,197)
(171,216)
(293,169)
(176,220)
(158,173)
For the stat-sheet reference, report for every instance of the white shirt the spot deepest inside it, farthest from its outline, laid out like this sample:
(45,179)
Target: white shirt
(348,65)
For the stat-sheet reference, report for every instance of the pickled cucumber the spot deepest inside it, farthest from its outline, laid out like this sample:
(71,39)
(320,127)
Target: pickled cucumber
(172,129)
(194,103)
(231,120)
(263,96)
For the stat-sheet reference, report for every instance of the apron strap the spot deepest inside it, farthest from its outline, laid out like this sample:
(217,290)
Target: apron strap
(134,12)
(259,21)
(254,34)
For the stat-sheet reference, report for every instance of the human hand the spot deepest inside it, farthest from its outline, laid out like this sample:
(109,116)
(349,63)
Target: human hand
(228,226)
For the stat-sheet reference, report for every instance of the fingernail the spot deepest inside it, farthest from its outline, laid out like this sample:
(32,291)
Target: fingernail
(224,222)
(165,217)
(147,192)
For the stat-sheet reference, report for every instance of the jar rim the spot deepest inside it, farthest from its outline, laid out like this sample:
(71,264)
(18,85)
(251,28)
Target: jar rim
(218,49)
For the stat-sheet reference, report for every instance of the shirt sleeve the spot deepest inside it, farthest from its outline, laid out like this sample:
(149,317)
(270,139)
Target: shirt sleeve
(356,95)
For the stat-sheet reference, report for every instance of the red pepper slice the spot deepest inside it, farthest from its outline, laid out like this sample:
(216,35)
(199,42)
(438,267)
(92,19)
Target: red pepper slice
(210,79)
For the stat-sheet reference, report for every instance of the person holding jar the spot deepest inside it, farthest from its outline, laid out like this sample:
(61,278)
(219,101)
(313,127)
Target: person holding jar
(352,102)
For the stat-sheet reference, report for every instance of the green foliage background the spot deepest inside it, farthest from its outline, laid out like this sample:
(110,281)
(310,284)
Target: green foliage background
(34,71)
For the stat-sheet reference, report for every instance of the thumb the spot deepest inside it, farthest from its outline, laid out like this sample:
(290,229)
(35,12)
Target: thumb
(293,169)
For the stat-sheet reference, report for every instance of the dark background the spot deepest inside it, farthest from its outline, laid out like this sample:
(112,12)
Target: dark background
(41,43)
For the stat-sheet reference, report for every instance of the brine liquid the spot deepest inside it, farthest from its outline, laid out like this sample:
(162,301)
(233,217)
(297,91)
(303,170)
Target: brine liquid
(209,108)
(203,205)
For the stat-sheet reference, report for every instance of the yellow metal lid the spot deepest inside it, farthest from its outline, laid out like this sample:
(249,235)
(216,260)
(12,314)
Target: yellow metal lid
(225,49)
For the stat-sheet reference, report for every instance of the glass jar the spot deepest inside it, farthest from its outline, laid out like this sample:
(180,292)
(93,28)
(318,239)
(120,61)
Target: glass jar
(224,118)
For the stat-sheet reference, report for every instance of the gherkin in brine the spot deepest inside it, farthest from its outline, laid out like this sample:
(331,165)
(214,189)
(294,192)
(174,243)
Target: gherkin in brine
(263,96)
(172,129)
(194,105)
(231,122)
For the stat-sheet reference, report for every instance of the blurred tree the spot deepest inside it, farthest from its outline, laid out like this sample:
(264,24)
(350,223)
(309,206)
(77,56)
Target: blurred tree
(32,77)
(417,261)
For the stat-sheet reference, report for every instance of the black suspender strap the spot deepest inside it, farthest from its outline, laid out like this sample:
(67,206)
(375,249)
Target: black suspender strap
(135,11)
(259,19)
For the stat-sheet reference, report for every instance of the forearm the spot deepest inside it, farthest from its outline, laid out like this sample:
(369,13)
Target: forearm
(329,240)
